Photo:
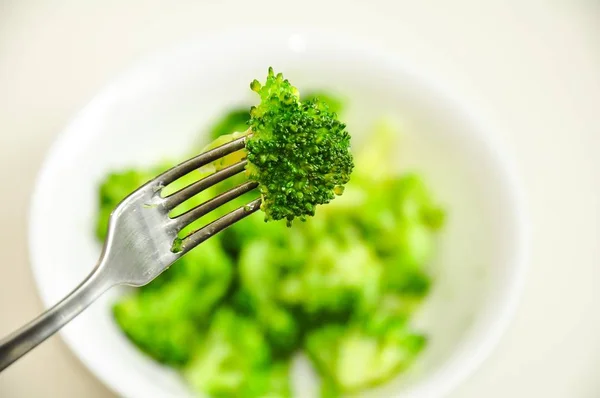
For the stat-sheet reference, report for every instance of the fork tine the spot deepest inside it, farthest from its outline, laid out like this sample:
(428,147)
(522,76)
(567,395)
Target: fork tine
(209,156)
(177,198)
(202,234)
(192,215)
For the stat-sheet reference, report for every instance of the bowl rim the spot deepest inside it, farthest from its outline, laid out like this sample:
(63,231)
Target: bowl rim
(443,380)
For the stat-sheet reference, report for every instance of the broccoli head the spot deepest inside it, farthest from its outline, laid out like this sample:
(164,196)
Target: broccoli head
(159,323)
(234,360)
(366,352)
(299,151)
(261,265)
(337,278)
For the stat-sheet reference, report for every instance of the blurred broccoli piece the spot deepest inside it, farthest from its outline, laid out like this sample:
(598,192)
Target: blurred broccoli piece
(280,326)
(337,278)
(165,318)
(234,360)
(366,352)
(273,382)
(234,121)
(397,215)
(417,202)
(410,243)
(261,264)
(373,160)
(328,388)
(245,231)
(159,322)
(299,152)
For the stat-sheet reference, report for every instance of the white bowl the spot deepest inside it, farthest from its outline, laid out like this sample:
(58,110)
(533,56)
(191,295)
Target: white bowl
(157,110)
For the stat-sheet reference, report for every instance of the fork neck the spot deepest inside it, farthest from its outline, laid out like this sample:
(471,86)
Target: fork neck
(35,332)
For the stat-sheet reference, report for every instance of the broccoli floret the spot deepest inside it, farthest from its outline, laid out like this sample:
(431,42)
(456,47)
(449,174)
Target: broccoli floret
(408,244)
(261,264)
(158,322)
(337,278)
(397,215)
(299,152)
(366,352)
(234,360)
(400,220)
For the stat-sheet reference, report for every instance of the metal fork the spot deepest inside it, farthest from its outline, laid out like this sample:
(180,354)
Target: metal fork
(141,243)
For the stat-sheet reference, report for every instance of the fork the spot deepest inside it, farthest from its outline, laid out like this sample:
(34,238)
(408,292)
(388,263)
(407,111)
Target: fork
(142,242)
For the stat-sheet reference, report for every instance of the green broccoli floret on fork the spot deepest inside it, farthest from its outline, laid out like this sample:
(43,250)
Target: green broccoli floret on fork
(299,152)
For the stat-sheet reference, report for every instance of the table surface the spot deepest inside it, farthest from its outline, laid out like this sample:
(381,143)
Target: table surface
(532,68)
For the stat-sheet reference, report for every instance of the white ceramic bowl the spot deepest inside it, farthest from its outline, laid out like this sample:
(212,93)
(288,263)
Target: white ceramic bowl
(157,110)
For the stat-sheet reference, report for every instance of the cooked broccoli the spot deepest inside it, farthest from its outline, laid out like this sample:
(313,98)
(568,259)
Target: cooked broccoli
(299,152)
(365,352)
(397,215)
(235,360)
(260,267)
(159,323)
(337,278)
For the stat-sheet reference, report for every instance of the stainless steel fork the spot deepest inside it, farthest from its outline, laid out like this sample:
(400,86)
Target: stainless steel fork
(142,242)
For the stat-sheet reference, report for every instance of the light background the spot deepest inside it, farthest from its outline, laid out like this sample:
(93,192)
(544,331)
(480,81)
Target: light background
(532,69)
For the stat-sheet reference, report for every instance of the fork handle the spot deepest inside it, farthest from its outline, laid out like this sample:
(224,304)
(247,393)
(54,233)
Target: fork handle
(21,341)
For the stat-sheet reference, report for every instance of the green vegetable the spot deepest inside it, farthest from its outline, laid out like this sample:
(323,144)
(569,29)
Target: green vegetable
(299,152)
(361,354)
(368,350)
(337,278)
(342,287)
(259,263)
(234,360)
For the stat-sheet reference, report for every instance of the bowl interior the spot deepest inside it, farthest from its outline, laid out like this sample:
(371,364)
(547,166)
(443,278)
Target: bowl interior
(159,109)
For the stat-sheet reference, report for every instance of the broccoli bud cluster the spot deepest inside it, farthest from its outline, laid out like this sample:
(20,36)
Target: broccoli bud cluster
(299,151)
